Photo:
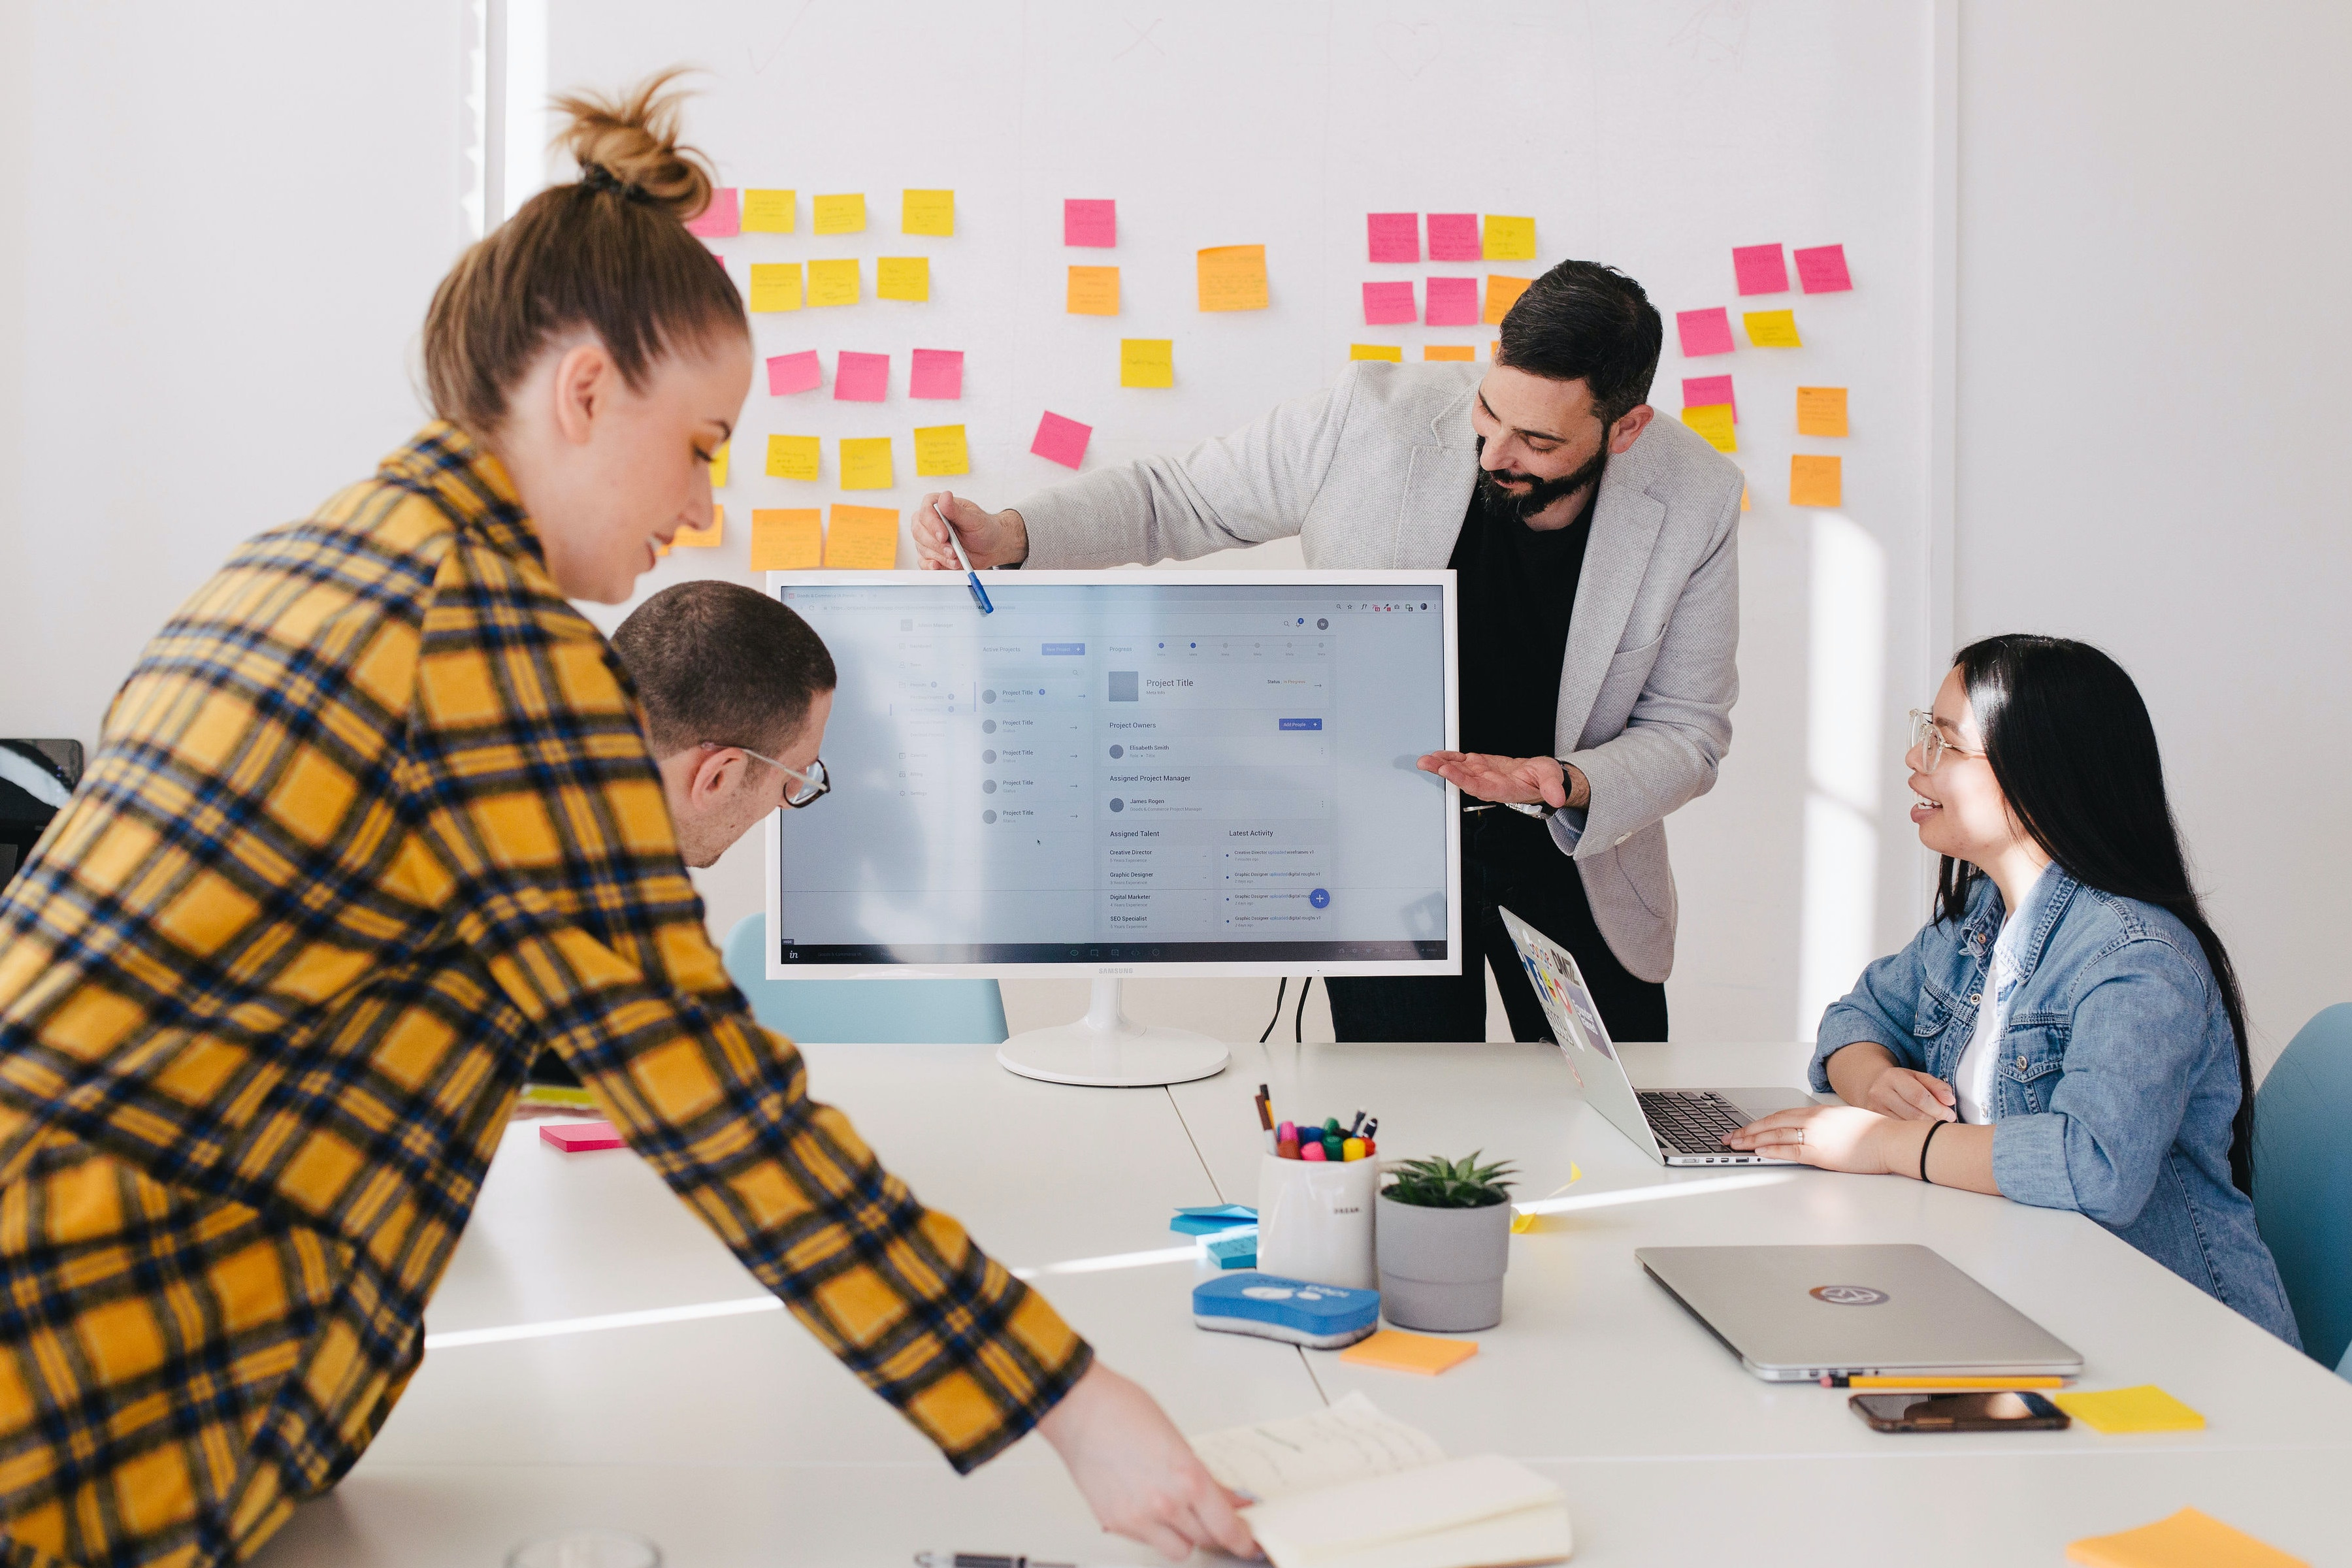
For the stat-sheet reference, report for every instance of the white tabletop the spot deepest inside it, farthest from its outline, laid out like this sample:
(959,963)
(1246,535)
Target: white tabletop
(735,1439)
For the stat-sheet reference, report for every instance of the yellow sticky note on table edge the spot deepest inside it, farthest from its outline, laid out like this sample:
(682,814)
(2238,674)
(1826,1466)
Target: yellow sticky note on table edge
(866,463)
(1816,480)
(902,278)
(1502,293)
(1821,411)
(1508,238)
(834,282)
(1233,277)
(1147,362)
(2188,1539)
(840,214)
(1772,328)
(792,457)
(1377,350)
(787,539)
(769,212)
(927,212)
(862,537)
(1713,420)
(1400,1352)
(704,538)
(2146,1408)
(1526,1218)
(718,465)
(1093,291)
(941,450)
(775,286)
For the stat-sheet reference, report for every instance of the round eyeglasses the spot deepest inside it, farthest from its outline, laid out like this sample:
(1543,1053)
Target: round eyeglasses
(1929,740)
(806,786)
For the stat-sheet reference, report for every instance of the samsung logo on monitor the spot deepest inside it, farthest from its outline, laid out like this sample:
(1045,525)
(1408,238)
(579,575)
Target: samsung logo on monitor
(1114,969)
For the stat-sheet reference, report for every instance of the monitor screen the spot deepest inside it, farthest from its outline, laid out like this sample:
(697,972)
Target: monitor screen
(1117,772)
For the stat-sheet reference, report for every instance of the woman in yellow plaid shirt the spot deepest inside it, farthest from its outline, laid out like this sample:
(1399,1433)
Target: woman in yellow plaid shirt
(372,821)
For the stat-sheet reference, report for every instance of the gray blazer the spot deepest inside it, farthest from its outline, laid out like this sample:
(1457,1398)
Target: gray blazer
(1377,471)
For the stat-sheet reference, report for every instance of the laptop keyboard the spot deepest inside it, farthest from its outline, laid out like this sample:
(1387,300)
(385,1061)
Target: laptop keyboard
(1690,1121)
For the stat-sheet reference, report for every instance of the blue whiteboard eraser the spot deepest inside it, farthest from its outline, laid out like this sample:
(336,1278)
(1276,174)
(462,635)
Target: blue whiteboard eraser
(1296,1311)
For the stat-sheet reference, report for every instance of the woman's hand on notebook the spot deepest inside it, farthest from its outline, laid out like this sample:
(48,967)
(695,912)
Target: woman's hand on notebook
(1137,1471)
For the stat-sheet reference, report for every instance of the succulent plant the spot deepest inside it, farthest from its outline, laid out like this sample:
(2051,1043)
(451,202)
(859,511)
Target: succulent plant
(1440,1184)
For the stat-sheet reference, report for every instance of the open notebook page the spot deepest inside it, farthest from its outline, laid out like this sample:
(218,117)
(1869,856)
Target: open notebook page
(1351,1441)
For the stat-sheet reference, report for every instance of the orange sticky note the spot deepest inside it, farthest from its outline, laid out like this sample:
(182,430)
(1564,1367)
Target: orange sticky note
(862,537)
(1743,495)
(1400,1352)
(902,278)
(1376,350)
(927,212)
(1816,481)
(1448,351)
(706,538)
(1502,293)
(1094,291)
(2145,1409)
(786,539)
(1821,411)
(769,212)
(1713,420)
(941,450)
(1233,277)
(2187,1540)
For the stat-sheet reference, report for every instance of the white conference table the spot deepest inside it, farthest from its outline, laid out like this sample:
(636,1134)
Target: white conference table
(733,1439)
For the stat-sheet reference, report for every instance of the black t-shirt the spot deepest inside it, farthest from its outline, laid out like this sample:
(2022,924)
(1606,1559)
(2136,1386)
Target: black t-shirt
(1518,590)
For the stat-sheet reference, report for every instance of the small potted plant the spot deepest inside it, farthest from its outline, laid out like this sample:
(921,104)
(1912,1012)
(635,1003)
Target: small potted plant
(1445,1238)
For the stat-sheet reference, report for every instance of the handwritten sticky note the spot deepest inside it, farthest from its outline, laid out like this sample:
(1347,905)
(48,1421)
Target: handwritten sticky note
(865,464)
(1502,293)
(794,372)
(834,282)
(1061,440)
(718,465)
(769,212)
(1385,304)
(1821,411)
(1094,291)
(902,278)
(1377,350)
(1147,362)
(1816,481)
(2146,1408)
(940,450)
(1393,236)
(1448,351)
(1452,302)
(1454,236)
(703,538)
(1091,223)
(1398,1351)
(840,215)
(723,217)
(860,378)
(937,372)
(927,212)
(1704,331)
(775,286)
(791,456)
(1509,238)
(1759,269)
(1233,277)
(862,537)
(1772,328)
(2185,1539)
(787,539)
(1821,269)
(1713,420)
(1698,391)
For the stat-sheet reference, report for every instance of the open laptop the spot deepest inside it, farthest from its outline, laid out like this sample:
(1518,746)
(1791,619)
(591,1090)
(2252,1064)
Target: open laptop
(1674,1126)
(1797,1314)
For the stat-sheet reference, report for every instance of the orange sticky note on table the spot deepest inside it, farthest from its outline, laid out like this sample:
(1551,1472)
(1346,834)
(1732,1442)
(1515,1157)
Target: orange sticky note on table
(1376,350)
(1233,277)
(2187,1540)
(2144,1409)
(1094,291)
(1448,351)
(1502,293)
(862,537)
(704,538)
(787,539)
(1821,411)
(1398,1351)
(1816,481)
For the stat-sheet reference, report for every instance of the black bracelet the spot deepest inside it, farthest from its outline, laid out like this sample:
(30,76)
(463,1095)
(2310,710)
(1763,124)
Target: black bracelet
(1932,1128)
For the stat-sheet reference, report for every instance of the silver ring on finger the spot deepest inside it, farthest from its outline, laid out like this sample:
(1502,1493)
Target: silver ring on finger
(1801,1137)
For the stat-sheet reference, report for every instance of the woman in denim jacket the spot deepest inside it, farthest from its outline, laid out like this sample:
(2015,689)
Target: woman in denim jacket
(2067,1031)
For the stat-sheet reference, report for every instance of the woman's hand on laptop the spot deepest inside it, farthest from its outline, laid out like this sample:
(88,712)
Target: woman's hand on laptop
(1835,1137)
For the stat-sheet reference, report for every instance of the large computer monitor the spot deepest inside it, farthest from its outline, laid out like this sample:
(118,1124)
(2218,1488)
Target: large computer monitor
(1123,774)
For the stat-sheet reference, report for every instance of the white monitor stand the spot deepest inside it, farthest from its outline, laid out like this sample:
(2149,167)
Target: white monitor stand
(1106,1049)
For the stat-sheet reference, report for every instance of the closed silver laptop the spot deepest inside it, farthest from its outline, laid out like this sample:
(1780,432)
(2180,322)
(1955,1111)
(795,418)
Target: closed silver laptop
(1797,1314)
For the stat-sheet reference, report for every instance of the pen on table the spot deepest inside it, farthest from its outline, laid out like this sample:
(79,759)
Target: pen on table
(982,1559)
(978,593)
(1264,1116)
(1839,1381)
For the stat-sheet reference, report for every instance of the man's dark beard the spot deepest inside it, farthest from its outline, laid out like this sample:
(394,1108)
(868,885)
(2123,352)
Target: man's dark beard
(1517,506)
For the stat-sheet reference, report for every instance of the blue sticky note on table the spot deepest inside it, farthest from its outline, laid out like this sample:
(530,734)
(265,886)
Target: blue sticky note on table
(1235,1248)
(1207,1219)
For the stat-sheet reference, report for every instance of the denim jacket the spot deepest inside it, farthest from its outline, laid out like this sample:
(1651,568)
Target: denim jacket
(2118,1074)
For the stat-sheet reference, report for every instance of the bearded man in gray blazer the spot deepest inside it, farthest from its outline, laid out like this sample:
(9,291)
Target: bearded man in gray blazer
(1597,553)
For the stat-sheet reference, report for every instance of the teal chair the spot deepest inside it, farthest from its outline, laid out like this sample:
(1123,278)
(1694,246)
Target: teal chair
(863,1012)
(2303,1180)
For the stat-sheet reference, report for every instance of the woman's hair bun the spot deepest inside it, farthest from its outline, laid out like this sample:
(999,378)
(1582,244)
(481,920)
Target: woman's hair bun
(635,138)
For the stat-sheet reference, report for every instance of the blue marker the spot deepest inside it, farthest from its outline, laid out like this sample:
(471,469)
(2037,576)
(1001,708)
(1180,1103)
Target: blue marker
(978,593)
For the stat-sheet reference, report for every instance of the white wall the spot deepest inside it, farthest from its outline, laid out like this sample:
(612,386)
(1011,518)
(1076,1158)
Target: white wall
(2153,221)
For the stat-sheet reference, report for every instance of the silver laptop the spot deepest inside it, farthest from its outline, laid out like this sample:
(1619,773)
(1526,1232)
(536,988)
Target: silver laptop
(1797,1314)
(1674,1126)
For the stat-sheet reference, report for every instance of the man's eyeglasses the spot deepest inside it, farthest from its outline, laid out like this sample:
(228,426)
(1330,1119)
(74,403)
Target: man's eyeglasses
(1928,739)
(807,786)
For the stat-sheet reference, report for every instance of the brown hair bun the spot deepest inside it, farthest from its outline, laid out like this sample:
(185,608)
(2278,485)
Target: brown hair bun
(635,138)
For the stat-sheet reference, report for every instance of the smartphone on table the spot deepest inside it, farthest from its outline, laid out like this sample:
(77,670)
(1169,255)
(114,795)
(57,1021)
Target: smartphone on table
(1992,1411)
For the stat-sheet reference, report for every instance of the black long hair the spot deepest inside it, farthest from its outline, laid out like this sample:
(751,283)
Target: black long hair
(2071,748)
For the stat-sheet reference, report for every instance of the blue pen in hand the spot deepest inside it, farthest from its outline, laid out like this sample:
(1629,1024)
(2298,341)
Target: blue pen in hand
(978,593)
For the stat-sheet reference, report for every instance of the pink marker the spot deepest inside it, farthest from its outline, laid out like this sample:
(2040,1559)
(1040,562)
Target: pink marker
(579,1137)
(1312,1152)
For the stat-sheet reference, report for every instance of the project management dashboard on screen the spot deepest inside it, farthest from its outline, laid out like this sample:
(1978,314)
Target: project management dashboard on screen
(1160,771)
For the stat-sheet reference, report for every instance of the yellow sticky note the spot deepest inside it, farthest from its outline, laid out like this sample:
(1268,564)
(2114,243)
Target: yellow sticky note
(2146,1408)
(926,212)
(865,464)
(705,537)
(1509,238)
(832,282)
(791,456)
(718,465)
(1400,1352)
(776,284)
(1233,277)
(1448,351)
(840,214)
(1376,350)
(787,539)
(1502,293)
(862,537)
(940,450)
(1713,420)
(769,212)
(1094,291)
(2187,1540)
(1772,328)
(1147,362)
(1821,411)
(1816,481)
(902,278)
(1743,495)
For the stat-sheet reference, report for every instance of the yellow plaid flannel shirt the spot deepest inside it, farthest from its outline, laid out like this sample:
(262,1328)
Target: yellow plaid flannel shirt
(372,821)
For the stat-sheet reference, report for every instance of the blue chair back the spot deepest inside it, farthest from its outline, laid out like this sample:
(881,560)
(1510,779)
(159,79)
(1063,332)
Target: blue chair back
(863,1012)
(2303,1179)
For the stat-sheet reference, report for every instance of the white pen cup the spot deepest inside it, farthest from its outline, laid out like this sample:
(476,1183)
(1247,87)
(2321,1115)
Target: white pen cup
(1315,1220)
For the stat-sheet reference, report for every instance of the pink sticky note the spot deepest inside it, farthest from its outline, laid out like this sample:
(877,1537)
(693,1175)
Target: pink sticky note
(577,1137)
(1091,223)
(861,378)
(1387,303)
(721,218)
(1061,440)
(939,372)
(1453,301)
(1821,269)
(1704,331)
(1454,236)
(794,372)
(1698,391)
(1395,237)
(1761,269)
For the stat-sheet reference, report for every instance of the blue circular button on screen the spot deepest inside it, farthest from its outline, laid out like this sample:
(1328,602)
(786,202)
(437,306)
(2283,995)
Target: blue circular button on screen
(1319,898)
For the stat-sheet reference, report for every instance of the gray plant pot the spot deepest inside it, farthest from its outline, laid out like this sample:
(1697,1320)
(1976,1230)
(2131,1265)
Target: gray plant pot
(1442,1269)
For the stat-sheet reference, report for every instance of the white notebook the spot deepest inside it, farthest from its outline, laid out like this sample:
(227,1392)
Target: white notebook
(1349,1488)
